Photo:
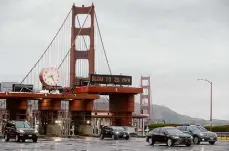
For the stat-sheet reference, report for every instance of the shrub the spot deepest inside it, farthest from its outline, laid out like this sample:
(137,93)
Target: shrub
(223,128)
(152,126)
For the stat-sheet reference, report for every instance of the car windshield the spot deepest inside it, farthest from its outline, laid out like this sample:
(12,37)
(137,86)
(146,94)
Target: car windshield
(22,125)
(202,129)
(196,129)
(173,131)
(118,128)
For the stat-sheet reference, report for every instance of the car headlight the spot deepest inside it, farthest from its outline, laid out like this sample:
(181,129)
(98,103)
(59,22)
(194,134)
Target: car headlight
(176,137)
(191,137)
(36,131)
(20,131)
(201,134)
(116,132)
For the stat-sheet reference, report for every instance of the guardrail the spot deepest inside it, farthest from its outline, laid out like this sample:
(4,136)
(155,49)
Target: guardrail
(223,135)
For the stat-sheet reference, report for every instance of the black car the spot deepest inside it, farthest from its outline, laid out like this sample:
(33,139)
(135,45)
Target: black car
(169,135)
(199,133)
(20,131)
(114,132)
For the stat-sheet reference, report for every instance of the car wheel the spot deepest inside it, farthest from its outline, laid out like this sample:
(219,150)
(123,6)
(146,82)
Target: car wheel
(150,141)
(127,138)
(196,140)
(114,137)
(170,142)
(17,139)
(35,140)
(101,136)
(6,138)
(212,142)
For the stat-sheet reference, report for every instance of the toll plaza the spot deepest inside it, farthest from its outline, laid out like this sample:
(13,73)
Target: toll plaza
(56,113)
(55,98)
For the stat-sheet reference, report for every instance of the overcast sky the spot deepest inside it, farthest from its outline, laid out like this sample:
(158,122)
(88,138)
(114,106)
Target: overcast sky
(174,41)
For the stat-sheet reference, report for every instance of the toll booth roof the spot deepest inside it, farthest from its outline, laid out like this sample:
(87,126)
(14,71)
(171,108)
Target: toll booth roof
(29,95)
(106,90)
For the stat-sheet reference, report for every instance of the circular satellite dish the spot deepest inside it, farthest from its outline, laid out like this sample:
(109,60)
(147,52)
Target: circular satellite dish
(50,76)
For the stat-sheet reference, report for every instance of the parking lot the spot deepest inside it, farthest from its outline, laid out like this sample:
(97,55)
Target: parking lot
(95,144)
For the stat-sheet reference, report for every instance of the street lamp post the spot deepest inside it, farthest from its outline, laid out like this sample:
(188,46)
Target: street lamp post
(210,101)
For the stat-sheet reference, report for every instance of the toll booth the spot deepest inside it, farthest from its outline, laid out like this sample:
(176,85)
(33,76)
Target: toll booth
(81,115)
(48,113)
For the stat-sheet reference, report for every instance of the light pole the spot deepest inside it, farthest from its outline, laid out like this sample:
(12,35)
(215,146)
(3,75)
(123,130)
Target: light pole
(210,101)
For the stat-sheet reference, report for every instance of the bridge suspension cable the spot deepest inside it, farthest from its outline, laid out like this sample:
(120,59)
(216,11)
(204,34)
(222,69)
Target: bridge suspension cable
(84,41)
(75,38)
(57,53)
(100,35)
(82,27)
(47,47)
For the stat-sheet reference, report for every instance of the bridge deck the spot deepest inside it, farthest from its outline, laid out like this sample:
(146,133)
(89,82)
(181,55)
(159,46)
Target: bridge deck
(106,90)
(36,96)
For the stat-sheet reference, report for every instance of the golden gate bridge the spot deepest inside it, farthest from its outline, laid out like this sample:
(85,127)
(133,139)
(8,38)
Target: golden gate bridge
(76,39)
(65,72)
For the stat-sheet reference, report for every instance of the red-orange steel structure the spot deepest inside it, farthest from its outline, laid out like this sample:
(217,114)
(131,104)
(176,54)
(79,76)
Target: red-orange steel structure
(81,107)
(121,101)
(145,98)
(106,90)
(38,96)
(86,54)
(81,100)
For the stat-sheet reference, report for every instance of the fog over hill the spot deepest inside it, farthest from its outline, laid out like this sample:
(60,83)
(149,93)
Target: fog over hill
(163,114)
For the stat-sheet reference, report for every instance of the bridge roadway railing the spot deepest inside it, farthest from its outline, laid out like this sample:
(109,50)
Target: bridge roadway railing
(223,135)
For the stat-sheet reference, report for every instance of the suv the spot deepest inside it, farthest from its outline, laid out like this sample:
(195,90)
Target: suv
(199,133)
(114,132)
(19,130)
(168,135)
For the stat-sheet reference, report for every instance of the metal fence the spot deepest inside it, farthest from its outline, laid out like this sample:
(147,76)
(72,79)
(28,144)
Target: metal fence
(223,135)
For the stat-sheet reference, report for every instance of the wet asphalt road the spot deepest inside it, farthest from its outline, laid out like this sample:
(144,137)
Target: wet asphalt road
(95,144)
